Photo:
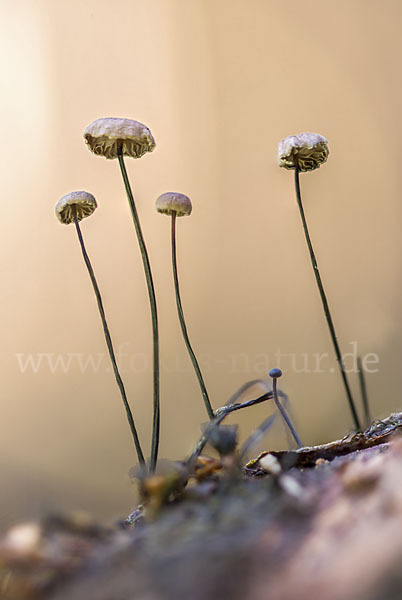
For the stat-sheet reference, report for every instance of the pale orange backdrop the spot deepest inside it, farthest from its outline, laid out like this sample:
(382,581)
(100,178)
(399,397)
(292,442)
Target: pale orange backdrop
(219,82)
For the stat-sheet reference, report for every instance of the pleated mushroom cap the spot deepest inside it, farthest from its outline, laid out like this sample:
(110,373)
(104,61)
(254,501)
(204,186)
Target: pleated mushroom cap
(84,204)
(109,136)
(174,202)
(308,150)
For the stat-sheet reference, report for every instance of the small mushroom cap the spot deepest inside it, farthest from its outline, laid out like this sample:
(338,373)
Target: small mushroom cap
(108,136)
(83,202)
(275,373)
(307,150)
(174,202)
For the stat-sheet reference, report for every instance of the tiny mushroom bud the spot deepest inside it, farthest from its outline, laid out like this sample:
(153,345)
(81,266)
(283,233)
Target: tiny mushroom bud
(81,203)
(110,137)
(224,439)
(274,373)
(174,202)
(306,150)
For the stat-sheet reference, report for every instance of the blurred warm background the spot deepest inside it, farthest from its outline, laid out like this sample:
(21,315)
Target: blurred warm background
(219,82)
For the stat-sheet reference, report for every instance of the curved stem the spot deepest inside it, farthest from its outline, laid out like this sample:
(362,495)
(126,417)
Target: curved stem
(243,388)
(325,304)
(154,314)
(109,344)
(256,436)
(183,323)
(284,415)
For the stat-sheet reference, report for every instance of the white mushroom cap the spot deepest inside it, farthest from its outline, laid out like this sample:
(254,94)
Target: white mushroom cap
(174,202)
(83,202)
(107,136)
(307,150)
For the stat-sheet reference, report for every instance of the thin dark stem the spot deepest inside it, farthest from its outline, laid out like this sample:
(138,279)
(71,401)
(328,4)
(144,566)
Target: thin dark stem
(284,415)
(363,391)
(325,304)
(220,415)
(119,380)
(154,315)
(256,436)
(183,323)
(243,388)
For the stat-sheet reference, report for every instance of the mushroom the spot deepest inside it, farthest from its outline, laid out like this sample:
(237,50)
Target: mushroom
(175,205)
(72,208)
(306,152)
(115,138)
(110,136)
(275,374)
(75,206)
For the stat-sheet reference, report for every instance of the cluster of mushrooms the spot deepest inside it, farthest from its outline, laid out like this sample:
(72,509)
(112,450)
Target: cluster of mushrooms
(116,138)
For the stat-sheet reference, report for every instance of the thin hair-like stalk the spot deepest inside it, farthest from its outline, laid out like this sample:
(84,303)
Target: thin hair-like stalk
(325,304)
(261,430)
(246,386)
(183,323)
(154,314)
(284,414)
(363,392)
(109,343)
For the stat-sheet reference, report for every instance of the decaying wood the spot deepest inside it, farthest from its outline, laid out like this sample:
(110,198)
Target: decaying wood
(327,525)
(378,433)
